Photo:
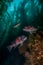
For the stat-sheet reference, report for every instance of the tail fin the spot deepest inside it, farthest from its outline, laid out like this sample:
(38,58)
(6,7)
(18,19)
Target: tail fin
(9,48)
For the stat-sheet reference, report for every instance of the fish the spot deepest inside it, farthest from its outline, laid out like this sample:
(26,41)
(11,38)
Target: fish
(17,25)
(30,29)
(19,44)
(16,44)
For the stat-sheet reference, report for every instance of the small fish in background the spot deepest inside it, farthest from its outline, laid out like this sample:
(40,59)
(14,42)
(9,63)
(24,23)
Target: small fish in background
(17,25)
(30,29)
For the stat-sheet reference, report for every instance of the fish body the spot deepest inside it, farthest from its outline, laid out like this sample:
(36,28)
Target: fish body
(19,42)
(17,25)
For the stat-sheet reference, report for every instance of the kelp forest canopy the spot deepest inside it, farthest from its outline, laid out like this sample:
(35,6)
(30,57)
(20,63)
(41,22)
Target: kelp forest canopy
(12,12)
